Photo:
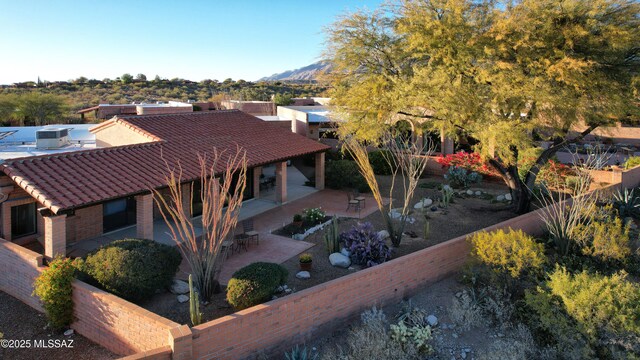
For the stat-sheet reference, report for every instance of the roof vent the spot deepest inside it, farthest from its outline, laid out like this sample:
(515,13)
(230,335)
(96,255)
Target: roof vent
(52,138)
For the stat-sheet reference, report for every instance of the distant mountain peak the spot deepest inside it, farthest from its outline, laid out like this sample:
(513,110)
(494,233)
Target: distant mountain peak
(307,73)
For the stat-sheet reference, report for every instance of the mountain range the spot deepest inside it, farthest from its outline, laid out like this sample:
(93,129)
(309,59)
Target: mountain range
(307,73)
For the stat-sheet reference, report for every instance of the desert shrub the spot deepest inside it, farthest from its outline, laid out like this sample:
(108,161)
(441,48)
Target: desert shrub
(465,311)
(461,178)
(366,247)
(53,287)
(371,340)
(631,162)
(430,184)
(379,163)
(345,174)
(519,345)
(313,215)
(513,251)
(470,161)
(606,239)
(584,310)
(300,353)
(554,327)
(255,284)
(133,268)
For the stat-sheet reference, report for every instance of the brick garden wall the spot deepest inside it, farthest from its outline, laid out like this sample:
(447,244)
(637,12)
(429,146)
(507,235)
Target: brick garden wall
(116,324)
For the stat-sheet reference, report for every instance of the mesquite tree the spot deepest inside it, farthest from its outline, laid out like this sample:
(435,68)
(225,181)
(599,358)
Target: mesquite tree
(221,199)
(503,75)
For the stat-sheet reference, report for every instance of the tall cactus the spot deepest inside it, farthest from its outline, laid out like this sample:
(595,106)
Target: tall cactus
(194,305)
(332,237)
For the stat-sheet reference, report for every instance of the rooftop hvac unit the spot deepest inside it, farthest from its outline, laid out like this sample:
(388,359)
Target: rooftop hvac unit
(52,138)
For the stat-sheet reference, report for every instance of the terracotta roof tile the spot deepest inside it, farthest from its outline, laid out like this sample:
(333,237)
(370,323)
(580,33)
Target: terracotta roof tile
(69,180)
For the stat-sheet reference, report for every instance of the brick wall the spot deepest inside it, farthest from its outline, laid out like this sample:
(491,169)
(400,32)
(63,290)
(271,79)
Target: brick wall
(18,268)
(116,324)
(278,324)
(85,224)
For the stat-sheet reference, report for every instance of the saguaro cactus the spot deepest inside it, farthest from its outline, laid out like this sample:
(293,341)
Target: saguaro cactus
(194,305)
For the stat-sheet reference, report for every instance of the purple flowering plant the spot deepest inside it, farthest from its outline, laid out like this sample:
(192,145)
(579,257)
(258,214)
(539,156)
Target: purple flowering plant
(365,246)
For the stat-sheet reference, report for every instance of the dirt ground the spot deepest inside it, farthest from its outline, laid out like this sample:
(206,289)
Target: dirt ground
(166,305)
(464,215)
(449,342)
(18,321)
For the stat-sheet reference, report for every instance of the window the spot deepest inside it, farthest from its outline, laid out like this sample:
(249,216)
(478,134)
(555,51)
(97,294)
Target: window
(119,213)
(23,220)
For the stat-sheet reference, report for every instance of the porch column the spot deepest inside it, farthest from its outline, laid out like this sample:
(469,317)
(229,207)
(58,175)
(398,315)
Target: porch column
(256,181)
(186,198)
(281,182)
(55,235)
(320,171)
(446,144)
(144,216)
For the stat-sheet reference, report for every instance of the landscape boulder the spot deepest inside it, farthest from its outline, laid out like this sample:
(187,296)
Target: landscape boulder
(303,275)
(339,260)
(179,287)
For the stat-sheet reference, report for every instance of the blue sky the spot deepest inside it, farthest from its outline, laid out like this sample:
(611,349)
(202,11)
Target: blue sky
(195,40)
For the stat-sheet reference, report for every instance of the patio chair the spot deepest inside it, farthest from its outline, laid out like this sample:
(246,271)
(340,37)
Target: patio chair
(352,202)
(360,198)
(241,241)
(247,226)
(227,247)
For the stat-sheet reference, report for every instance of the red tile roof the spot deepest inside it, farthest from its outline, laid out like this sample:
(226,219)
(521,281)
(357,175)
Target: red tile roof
(69,180)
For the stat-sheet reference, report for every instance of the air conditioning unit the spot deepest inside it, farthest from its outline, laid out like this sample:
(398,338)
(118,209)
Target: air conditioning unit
(52,138)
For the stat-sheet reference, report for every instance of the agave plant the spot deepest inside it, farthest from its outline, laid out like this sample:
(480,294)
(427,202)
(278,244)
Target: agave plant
(627,203)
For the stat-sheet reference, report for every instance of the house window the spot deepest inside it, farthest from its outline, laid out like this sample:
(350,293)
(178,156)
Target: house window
(23,220)
(196,199)
(119,213)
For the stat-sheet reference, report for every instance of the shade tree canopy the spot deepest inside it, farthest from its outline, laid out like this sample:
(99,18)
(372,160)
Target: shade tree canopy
(503,74)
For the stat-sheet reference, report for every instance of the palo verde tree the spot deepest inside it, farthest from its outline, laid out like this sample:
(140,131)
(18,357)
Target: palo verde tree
(505,75)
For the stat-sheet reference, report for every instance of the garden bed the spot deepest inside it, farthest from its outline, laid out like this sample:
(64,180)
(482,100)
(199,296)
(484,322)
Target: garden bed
(293,229)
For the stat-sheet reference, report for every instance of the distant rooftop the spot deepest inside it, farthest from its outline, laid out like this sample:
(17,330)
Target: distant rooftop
(19,142)
(315,114)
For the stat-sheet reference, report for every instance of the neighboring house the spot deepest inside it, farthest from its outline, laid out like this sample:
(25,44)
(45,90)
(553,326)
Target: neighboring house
(256,108)
(107,111)
(309,121)
(73,196)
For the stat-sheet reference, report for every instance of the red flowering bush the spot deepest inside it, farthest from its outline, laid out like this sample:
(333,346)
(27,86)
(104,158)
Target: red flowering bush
(465,160)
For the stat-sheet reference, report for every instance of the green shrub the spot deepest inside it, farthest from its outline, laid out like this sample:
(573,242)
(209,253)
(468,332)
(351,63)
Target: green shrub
(631,162)
(133,268)
(379,163)
(345,174)
(53,287)
(255,284)
(514,251)
(606,239)
(582,311)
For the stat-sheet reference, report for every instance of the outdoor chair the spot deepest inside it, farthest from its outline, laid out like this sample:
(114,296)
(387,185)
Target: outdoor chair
(247,226)
(227,247)
(352,202)
(241,241)
(360,199)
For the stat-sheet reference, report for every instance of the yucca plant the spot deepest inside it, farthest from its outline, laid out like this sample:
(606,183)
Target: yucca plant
(298,353)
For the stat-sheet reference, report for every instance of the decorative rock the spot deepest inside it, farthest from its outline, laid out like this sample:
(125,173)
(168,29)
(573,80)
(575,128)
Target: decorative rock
(463,354)
(424,203)
(469,192)
(432,320)
(183,298)
(279,289)
(68,332)
(434,208)
(288,291)
(500,198)
(446,188)
(298,237)
(395,213)
(301,275)
(179,287)
(455,336)
(508,197)
(345,252)
(339,260)
(478,193)
(383,234)
(351,268)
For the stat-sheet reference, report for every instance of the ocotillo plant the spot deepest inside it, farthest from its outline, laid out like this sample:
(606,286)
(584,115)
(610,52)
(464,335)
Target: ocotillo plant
(194,305)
